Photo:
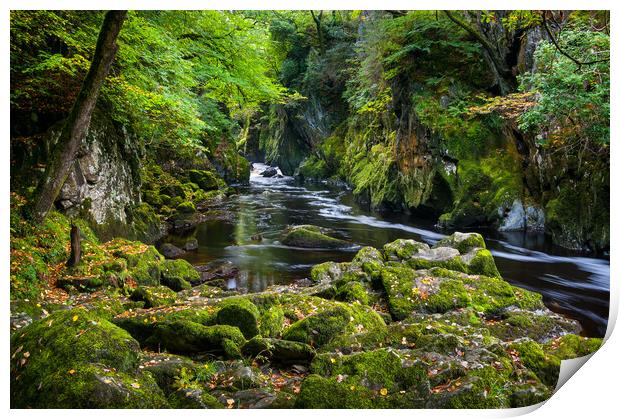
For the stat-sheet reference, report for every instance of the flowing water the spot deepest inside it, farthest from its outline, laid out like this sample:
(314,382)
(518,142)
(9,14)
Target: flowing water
(572,284)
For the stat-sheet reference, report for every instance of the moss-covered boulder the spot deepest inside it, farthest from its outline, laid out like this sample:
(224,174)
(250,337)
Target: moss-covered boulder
(178,274)
(310,236)
(186,207)
(73,359)
(278,350)
(186,337)
(143,261)
(439,290)
(321,327)
(463,242)
(154,296)
(460,252)
(205,179)
(241,313)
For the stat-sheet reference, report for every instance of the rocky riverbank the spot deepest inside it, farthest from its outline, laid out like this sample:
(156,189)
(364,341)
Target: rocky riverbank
(405,326)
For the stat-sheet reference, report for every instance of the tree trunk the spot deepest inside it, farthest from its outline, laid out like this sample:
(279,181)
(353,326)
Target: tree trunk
(76,249)
(77,122)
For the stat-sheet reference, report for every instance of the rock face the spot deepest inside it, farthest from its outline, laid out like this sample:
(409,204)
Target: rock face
(310,236)
(105,178)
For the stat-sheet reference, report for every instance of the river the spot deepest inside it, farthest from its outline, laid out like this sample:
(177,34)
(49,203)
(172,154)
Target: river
(571,283)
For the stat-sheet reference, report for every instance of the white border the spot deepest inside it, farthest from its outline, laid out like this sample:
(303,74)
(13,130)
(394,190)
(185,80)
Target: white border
(592,392)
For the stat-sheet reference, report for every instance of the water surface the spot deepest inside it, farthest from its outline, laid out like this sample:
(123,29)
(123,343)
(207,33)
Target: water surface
(571,283)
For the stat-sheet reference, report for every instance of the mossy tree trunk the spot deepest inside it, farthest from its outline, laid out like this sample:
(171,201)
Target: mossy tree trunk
(78,121)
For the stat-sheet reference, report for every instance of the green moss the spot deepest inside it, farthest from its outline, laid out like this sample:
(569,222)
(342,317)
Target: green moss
(184,336)
(320,328)
(572,346)
(353,291)
(313,168)
(322,393)
(241,313)
(281,351)
(463,242)
(177,274)
(545,366)
(483,388)
(154,296)
(186,207)
(402,249)
(205,179)
(152,197)
(483,186)
(483,264)
(374,369)
(271,322)
(58,358)
(310,237)
(193,398)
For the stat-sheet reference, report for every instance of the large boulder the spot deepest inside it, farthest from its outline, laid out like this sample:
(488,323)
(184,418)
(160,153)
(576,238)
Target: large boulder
(186,337)
(241,313)
(310,236)
(463,252)
(73,359)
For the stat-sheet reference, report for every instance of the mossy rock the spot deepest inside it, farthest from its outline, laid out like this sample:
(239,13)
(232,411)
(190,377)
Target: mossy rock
(271,322)
(481,262)
(544,365)
(193,398)
(186,337)
(539,325)
(323,393)
(309,236)
(402,249)
(479,389)
(376,369)
(465,253)
(154,296)
(178,274)
(463,242)
(152,197)
(241,313)
(186,207)
(572,346)
(205,179)
(281,351)
(141,325)
(75,359)
(167,368)
(320,328)
(439,290)
(353,292)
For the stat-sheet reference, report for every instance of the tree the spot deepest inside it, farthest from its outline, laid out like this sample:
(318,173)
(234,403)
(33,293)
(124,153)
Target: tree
(78,121)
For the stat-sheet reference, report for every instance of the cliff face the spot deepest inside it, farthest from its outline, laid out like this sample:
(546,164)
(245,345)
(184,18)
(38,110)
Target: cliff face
(105,180)
(407,140)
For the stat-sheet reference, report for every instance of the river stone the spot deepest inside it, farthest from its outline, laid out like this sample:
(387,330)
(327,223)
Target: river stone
(269,172)
(313,237)
(169,250)
(191,244)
